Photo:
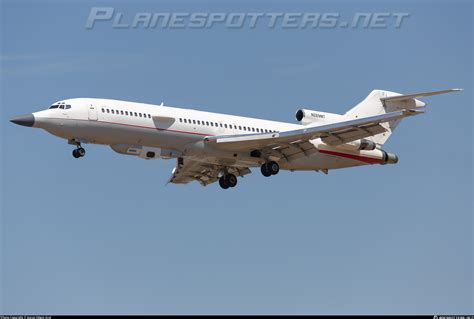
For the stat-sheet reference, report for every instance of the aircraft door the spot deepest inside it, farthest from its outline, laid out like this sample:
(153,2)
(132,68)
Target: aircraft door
(92,112)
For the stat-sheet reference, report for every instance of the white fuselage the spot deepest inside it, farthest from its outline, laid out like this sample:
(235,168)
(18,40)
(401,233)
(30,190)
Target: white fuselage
(115,123)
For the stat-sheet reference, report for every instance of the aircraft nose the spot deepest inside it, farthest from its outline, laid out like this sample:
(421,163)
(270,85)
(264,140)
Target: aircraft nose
(25,120)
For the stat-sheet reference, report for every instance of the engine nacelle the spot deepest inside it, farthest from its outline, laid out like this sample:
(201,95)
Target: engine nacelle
(145,151)
(309,116)
(358,145)
(389,158)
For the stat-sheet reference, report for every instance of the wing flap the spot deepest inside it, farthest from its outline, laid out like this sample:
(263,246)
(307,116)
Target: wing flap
(188,170)
(353,133)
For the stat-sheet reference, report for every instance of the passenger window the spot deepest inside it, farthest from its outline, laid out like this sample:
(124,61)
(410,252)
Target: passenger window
(194,121)
(199,122)
(212,124)
(121,112)
(103,111)
(112,111)
(126,112)
(149,116)
(108,111)
(136,114)
(207,123)
(225,125)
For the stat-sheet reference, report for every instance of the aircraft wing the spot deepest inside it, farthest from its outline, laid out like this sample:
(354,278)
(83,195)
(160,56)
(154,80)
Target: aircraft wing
(188,170)
(297,141)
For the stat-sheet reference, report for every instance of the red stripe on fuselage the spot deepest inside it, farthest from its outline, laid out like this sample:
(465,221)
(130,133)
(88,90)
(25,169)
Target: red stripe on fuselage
(368,160)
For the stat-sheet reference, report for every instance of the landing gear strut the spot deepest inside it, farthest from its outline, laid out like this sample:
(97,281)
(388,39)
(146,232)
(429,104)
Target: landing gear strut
(270,168)
(227,180)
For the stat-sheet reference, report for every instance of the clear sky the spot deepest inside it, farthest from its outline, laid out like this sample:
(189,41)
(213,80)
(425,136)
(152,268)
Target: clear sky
(103,234)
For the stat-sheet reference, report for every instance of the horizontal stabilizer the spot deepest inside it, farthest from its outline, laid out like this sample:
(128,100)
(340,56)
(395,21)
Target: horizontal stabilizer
(415,95)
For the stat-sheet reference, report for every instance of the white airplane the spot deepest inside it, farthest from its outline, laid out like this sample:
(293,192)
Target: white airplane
(212,147)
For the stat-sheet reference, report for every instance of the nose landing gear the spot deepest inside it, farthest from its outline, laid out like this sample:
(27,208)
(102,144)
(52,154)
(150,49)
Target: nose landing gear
(79,152)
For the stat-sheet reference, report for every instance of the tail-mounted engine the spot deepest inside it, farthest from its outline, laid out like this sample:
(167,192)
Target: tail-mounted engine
(358,145)
(305,117)
(389,158)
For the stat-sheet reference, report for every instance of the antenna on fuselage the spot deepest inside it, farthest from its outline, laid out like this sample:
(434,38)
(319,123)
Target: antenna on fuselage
(161,103)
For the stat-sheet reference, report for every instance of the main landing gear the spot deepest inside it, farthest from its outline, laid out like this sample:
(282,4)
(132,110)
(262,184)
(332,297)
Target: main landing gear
(270,168)
(79,151)
(227,180)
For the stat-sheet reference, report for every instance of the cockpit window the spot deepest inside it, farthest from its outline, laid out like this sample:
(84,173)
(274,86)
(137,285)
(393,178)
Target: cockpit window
(54,106)
(67,106)
(61,106)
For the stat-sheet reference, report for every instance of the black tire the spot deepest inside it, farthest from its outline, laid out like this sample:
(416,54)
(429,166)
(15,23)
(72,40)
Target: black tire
(273,167)
(75,153)
(223,183)
(265,171)
(231,180)
(81,152)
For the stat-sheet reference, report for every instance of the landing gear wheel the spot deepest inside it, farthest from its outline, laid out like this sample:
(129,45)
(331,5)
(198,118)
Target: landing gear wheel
(75,153)
(223,183)
(265,171)
(81,151)
(231,180)
(273,167)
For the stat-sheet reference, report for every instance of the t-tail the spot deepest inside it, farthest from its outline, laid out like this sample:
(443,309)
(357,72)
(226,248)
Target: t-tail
(381,102)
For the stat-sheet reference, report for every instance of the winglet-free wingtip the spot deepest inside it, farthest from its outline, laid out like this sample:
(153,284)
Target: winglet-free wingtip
(457,90)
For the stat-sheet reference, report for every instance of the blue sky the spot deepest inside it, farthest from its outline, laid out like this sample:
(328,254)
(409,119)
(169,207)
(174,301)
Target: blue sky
(103,234)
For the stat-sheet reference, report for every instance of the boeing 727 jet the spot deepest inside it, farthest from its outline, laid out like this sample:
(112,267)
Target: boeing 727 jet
(210,147)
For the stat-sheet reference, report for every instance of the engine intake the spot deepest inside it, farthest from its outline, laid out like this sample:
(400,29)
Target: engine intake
(299,115)
(366,145)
